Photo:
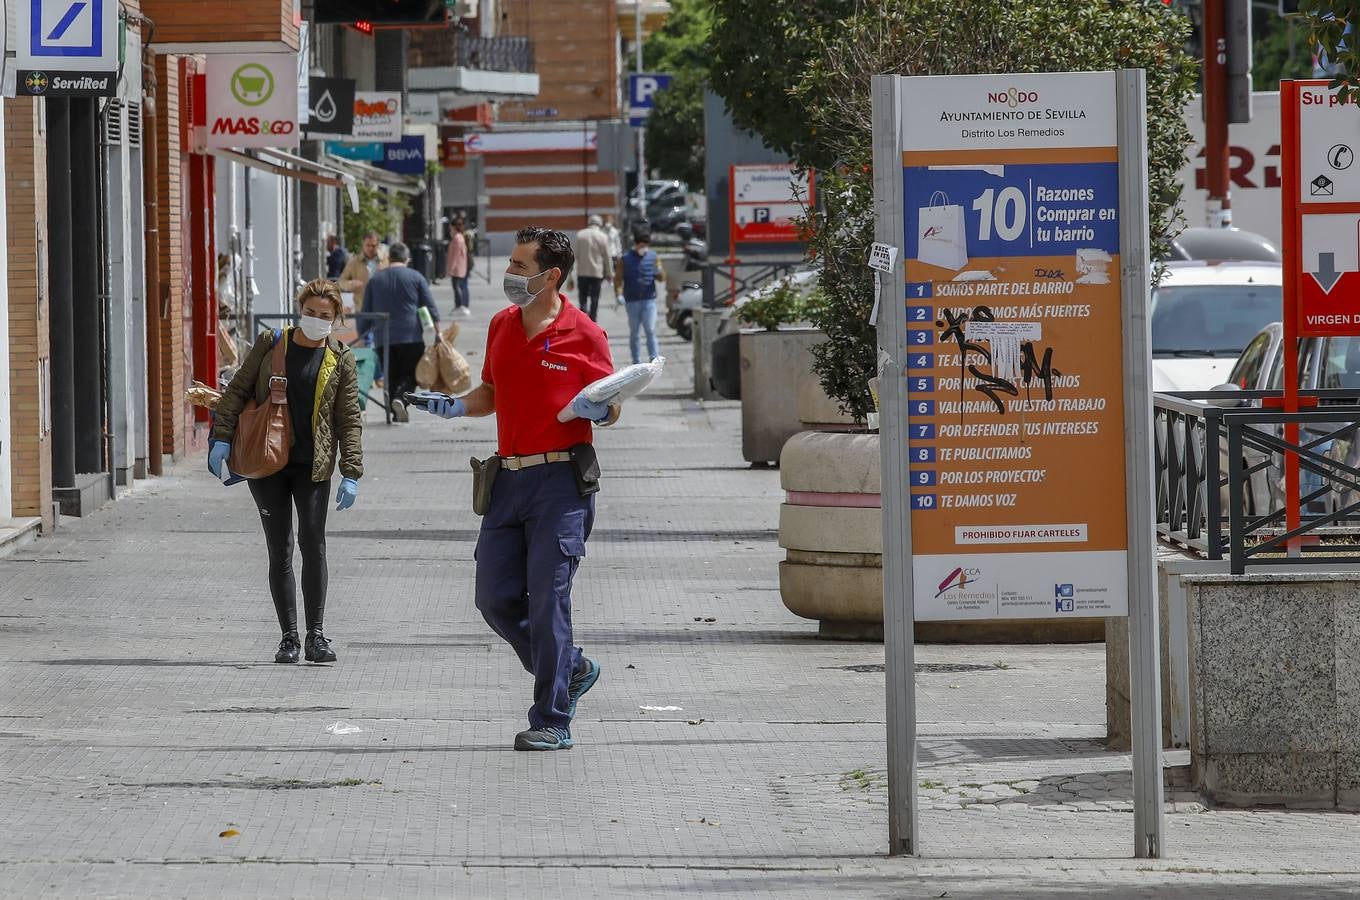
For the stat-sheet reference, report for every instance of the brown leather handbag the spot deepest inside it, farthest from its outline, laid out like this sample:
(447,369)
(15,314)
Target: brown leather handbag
(264,433)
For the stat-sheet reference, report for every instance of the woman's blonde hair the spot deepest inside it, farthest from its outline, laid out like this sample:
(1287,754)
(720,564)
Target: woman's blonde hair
(326,290)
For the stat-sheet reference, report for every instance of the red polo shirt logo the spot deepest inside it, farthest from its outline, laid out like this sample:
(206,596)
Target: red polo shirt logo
(534,379)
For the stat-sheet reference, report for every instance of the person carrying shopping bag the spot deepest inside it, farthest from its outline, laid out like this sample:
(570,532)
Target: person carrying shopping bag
(306,382)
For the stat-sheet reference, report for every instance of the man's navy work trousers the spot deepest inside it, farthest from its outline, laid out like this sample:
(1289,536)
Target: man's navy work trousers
(533,537)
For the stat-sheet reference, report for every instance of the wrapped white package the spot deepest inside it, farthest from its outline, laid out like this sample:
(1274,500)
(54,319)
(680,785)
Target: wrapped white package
(622,385)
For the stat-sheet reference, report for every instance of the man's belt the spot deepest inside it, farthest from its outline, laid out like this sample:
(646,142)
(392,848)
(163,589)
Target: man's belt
(515,463)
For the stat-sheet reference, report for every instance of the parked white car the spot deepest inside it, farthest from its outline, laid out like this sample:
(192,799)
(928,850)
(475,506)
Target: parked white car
(1204,314)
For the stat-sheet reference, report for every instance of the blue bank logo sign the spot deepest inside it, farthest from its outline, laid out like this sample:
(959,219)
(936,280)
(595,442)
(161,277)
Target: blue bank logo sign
(66,47)
(69,35)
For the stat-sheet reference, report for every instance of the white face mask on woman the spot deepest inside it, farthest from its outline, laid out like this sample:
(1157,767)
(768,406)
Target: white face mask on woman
(315,328)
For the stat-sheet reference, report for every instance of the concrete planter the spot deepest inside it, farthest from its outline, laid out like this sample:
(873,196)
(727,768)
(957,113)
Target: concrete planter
(1275,688)
(831,527)
(775,365)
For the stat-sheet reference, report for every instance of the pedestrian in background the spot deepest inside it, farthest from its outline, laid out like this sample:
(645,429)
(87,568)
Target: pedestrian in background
(361,267)
(593,264)
(540,353)
(336,257)
(615,251)
(640,272)
(458,268)
(401,292)
(323,406)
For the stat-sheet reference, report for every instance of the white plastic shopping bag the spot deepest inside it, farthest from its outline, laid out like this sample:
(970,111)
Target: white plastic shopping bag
(941,238)
(623,385)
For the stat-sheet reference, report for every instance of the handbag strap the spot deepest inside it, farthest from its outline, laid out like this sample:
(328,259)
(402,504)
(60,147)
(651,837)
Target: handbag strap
(278,378)
(944,198)
(277,359)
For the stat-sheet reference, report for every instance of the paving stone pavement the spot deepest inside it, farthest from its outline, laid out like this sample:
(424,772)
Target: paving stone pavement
(141,717)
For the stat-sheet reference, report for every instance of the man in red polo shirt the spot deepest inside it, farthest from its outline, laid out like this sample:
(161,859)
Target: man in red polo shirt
(540,352)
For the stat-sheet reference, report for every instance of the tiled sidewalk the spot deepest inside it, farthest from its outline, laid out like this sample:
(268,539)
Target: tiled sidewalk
(141,718)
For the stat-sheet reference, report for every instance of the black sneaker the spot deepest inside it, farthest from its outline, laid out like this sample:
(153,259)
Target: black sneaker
(544,739)
(581,682)
(318,648)
(288,648)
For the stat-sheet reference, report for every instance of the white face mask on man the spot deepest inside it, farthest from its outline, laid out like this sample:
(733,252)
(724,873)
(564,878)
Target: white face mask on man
(517,288)
(316,328)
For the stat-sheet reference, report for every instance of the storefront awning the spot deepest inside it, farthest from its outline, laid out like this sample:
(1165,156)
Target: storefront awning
(290,165)
(392,181)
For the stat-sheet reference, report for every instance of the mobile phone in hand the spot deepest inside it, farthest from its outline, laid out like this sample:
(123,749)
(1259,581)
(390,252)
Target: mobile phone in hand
(426,400)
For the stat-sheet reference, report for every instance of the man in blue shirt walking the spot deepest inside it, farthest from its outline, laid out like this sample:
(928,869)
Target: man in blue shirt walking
(640,272)
(400,291)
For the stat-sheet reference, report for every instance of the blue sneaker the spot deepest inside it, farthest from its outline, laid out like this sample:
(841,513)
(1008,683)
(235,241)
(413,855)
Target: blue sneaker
(544,739)
(581,682)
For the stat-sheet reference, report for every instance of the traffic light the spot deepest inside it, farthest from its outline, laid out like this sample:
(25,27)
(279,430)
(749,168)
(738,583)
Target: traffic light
(384,12)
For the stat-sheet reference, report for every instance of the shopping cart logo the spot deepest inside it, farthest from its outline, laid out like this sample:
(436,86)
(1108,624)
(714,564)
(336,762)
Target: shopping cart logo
(252,84)
(66,28)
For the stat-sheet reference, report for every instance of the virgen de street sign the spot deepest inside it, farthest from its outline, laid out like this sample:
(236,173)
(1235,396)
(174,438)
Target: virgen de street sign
(1016,410)
(1322,211)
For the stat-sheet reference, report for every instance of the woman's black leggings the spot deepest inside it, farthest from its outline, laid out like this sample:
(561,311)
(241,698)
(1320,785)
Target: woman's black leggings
(275,496)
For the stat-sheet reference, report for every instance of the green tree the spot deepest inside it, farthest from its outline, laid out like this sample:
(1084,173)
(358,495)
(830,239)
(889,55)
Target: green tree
(1327,22)
(1279,49)
(378,211)
(823,118)
(675,129)
(760,50)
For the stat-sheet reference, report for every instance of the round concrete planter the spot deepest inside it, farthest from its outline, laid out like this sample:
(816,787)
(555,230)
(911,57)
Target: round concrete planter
(831,529)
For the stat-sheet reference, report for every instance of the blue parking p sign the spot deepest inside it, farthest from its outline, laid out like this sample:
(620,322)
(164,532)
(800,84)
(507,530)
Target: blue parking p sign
(642,90)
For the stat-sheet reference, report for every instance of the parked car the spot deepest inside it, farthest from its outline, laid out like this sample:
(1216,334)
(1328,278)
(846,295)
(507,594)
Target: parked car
(1324,364)
(1223,244)
(685,304)
(666,214)
(1204,314)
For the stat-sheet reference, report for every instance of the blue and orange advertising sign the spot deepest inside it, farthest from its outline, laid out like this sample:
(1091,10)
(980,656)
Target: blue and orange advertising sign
(1015,419)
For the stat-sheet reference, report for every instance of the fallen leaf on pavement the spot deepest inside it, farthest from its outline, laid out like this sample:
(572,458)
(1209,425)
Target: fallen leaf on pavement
(230,832)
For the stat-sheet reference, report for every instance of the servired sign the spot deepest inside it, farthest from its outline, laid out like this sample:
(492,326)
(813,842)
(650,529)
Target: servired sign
(252,100)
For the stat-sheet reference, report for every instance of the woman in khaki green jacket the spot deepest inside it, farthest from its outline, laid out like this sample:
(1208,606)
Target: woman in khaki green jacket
(323,403)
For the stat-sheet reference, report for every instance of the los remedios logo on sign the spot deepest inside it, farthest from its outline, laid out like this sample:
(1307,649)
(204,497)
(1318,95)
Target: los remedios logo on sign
(252,100)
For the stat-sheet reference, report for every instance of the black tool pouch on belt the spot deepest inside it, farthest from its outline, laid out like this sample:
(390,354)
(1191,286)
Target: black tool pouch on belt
(483,479)
(586,467)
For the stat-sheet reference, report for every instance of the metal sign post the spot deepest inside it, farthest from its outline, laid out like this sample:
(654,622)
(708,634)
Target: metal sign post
(1145,679)
(898,624)
(1016,428)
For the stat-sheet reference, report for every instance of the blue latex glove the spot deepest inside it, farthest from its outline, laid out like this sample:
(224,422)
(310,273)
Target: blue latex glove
(449,409)
(586,408)
(346,494)
(217,454)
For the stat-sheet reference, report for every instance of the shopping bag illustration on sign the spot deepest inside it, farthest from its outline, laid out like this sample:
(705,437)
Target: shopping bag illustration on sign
(941,238)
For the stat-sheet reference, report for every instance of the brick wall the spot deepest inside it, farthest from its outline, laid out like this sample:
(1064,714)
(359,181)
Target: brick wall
(26,215)
(575,51)
(175,411)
